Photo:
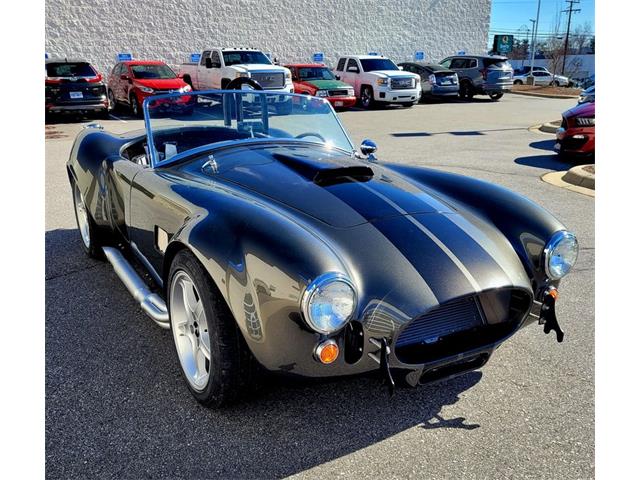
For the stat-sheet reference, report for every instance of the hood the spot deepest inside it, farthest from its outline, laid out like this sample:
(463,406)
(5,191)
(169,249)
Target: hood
(258,67)
(394,73)
(369,205)
(582,110)
(331,187)
(160,83)
(325,84)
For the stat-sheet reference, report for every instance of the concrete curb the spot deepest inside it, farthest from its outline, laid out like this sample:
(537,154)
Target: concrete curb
(544,95)
(575,179)
(550,127)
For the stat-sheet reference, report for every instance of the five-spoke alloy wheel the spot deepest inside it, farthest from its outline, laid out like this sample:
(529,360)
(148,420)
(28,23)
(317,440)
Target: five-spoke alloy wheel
(190,330)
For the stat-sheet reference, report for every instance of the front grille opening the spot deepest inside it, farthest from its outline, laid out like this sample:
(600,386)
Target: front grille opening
(462,325)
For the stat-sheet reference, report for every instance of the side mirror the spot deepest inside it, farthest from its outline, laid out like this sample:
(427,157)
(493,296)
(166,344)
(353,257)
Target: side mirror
(368,148)
(124,76)
(337,77)
(208,63)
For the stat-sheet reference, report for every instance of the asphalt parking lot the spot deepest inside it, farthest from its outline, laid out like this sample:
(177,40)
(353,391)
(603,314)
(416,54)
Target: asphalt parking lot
(116,406)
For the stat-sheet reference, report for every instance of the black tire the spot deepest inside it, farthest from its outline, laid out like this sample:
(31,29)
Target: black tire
(495,96)
(555,83)
(517,82)
(187,80)
(136,108)
(408,104)
(113,103)
(233,370)
(466,90)
(367,99)
(92,245)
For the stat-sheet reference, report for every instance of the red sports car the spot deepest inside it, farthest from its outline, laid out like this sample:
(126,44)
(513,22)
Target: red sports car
(577,134)
(317,80)
(132,81)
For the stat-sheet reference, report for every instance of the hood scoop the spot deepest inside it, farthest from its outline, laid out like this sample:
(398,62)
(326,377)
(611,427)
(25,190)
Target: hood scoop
(324,172)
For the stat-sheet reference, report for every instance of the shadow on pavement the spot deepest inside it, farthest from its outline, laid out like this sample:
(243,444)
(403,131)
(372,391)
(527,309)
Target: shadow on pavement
(116,405)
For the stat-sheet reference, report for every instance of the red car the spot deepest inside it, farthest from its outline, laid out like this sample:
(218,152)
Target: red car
(132,81)
(577,134)
(317,80)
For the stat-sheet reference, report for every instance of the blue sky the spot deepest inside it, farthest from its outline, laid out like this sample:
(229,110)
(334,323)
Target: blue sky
(508,16)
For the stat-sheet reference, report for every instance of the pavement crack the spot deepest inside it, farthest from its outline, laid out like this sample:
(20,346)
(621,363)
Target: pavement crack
(71,272)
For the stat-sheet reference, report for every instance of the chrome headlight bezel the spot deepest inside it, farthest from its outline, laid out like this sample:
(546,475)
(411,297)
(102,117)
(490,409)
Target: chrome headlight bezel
(320,282)
(146,89)
(557,239)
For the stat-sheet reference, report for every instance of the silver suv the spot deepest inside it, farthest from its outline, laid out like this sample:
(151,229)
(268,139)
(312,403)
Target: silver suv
(481,74)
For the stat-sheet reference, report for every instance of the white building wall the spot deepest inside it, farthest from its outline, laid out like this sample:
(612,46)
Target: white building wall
(291,30)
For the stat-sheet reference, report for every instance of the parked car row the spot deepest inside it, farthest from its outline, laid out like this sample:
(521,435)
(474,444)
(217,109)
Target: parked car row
(368,79)
(541,76)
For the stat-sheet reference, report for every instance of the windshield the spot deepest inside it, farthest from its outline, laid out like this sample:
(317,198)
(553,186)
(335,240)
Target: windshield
(372,64)
(181,124)
(315,73)
(243,56)
(73,69)
(152,71)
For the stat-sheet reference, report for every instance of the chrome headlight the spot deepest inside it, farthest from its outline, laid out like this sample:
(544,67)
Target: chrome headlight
(322,93)
(560,254)
(328,302)
(287,74)
(383,81)
(351,92)
(184,89)
(146,89)
(242,75)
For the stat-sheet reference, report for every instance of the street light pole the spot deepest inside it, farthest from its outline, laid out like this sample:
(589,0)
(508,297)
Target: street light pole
(535,34)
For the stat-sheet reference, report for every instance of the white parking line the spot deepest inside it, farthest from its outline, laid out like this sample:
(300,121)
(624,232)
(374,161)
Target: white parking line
(117,118)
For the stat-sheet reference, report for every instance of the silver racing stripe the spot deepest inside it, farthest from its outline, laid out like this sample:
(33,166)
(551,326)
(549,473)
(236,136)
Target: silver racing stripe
(431,235)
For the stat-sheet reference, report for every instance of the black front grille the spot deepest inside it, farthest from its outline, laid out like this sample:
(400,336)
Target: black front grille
(269,79)
(452,317)
(462,325)
(338,93)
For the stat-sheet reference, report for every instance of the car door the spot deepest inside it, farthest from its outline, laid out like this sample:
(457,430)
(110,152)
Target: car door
(352,74)
(215,72)
(202,72)
(542,78)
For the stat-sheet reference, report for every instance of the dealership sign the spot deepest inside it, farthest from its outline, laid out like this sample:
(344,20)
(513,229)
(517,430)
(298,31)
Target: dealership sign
(195,58)
(123,57)
(503,44)
(419,56)
(318,57)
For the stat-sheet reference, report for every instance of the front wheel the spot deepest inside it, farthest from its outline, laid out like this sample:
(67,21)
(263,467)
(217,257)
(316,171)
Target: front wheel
(495,96)
(366,97)
(88,230)
(215,360)
(136,109)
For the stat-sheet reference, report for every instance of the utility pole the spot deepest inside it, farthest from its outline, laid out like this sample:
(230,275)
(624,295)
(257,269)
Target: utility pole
(533,44)
(570,10)
(533,29)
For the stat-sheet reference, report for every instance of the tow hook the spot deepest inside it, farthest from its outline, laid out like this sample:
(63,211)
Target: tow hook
(384,351)
(548,313)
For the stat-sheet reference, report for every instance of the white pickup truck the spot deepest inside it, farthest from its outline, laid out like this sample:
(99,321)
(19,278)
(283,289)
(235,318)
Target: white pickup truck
(219,66)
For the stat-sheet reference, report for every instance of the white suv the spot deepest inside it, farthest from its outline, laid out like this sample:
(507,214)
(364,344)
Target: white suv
(377,79)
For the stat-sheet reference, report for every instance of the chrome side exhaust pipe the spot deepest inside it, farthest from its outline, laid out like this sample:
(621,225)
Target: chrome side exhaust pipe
(151,303)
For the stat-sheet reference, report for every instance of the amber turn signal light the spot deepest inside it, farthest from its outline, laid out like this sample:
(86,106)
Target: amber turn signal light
(554,293)
(327,352)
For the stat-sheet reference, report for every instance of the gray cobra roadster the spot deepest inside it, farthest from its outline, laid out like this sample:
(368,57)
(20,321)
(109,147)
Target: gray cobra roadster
(266,243)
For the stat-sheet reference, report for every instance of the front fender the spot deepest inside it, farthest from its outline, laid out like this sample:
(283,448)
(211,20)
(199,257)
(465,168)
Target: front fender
(526,225)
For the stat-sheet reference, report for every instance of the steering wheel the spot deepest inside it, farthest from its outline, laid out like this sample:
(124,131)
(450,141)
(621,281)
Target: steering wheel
(237,83)
(311,134)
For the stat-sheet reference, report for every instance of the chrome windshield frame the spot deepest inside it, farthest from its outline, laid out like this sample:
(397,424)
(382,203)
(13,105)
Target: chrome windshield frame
(154,161)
